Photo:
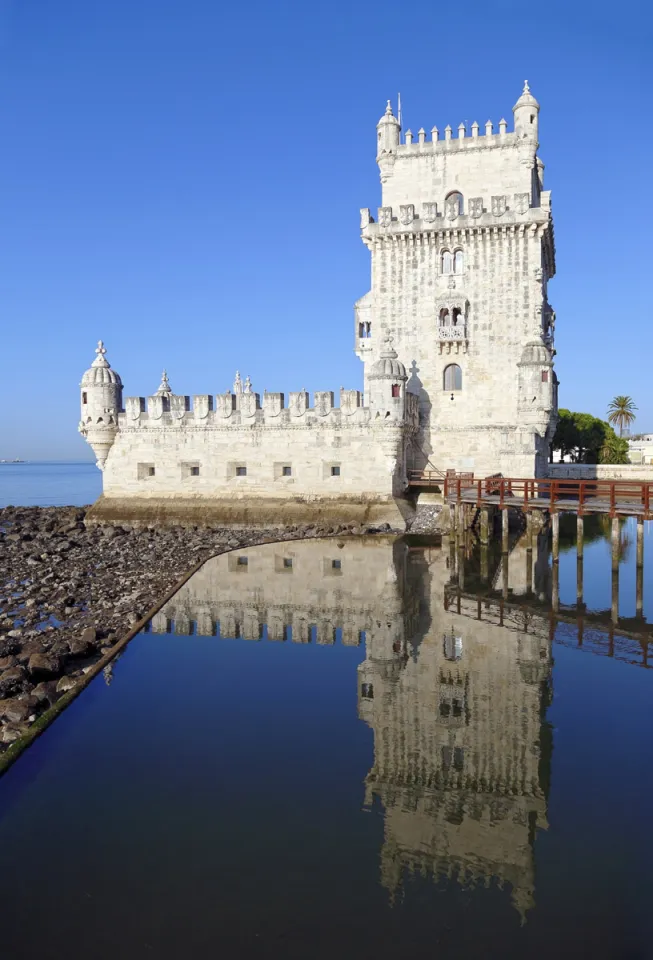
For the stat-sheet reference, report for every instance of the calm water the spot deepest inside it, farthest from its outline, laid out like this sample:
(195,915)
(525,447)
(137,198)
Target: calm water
(362,749)
(45,483)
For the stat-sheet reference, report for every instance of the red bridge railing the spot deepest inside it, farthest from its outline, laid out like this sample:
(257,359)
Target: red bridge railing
(607,496)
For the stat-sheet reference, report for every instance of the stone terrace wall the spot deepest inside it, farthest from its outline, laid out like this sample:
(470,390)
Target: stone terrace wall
(601,471)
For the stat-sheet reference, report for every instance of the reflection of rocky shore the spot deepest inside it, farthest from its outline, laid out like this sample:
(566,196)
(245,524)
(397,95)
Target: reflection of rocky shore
(460,764)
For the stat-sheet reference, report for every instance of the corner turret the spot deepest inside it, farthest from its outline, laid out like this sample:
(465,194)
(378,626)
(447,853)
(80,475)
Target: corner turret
(387,385)
(387,141)
(101,402)
(526,112)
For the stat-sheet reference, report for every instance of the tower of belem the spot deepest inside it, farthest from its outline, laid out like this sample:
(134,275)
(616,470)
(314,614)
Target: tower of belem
(456,338)
(462,251)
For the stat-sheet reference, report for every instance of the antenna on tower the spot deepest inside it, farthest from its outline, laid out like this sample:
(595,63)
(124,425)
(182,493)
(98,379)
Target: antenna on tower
(399,108)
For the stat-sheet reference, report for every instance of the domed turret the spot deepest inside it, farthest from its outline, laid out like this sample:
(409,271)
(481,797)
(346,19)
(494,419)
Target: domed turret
(387,141)
(526,112)
(387,384)
(101,402)
(388,130)
(535,384)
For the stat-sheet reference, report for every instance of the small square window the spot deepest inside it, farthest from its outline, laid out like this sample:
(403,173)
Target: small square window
(335,471)
(286,471)
(287,562)
(367,691)
(241,561)
(194,471)
(336,564)
(395,390)
(241,471)
(151,471)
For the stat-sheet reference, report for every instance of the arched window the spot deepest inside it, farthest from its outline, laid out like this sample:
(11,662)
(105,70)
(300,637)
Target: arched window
(457,317)
(446,262)
(395,390)
(458,261)
(453,377)
(445,319)
(454,205)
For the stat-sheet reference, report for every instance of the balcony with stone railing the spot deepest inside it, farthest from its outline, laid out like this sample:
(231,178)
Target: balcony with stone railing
(452,337)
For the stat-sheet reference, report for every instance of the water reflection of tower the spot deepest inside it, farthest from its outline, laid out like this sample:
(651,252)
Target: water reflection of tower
(460,763)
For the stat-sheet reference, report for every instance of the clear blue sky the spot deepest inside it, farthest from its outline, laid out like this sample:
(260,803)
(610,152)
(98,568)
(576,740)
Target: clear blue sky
(183,177)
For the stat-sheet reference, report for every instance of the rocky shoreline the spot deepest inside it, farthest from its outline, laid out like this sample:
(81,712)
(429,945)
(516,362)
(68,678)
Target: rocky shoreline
(69,593)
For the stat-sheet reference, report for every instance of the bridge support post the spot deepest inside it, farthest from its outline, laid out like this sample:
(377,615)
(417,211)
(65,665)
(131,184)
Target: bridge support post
(579,581)
(484,562)
(485,526)
(529,530)
(529,571)
(580,539)
(639,571)
(555,530)
(505,573)
(461,520)
(452,521)
(615,596)
(555,587)
(504,530)
(616,543)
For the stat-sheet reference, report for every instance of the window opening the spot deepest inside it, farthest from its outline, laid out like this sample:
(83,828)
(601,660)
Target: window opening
(453,377)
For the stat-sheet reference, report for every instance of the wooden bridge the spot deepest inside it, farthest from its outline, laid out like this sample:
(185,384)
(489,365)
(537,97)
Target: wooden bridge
(625,498)
(475,502)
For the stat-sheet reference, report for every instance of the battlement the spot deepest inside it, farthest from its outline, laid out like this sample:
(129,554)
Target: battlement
(462,139)
(478,212)
(246,409)
(235,410)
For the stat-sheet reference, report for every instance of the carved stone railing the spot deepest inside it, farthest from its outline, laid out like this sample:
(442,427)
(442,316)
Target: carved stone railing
(453,333)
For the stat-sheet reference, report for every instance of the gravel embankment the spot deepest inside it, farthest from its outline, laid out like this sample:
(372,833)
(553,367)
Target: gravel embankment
(68,594)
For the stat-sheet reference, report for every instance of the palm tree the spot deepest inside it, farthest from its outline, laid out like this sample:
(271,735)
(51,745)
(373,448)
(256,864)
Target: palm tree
(620,413)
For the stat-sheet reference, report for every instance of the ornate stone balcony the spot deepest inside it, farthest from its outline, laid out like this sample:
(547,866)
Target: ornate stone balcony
(452,336)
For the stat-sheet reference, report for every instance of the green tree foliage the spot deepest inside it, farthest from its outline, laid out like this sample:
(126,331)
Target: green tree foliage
(620,413)
(587,439)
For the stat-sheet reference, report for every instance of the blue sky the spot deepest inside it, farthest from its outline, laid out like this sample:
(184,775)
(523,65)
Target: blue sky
(183,177)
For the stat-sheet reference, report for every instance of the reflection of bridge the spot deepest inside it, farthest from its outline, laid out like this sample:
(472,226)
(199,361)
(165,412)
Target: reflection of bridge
(592,632)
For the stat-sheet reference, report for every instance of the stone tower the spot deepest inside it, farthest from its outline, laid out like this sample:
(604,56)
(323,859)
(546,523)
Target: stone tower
(462,251)
(101,402)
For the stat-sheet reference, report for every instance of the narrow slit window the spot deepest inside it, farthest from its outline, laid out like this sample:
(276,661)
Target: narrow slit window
(395,390)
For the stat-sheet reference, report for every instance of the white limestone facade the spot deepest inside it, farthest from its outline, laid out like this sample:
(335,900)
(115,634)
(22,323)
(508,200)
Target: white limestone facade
(456,338)
(462,251)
